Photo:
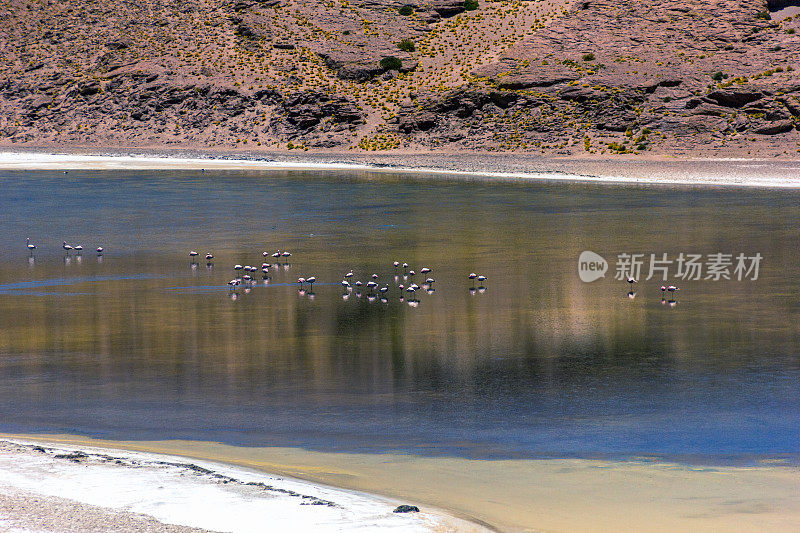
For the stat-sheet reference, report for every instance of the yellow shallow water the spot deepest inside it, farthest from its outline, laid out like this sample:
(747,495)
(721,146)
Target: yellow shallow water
(529,495)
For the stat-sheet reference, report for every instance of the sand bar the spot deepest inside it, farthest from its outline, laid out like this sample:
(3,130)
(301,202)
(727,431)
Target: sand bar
(671,172)
(529,495)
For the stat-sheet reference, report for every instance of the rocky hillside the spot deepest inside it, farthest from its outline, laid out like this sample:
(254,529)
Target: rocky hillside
(689,77)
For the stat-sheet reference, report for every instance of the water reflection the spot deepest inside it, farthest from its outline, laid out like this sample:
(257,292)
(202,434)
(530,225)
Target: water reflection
(145,346)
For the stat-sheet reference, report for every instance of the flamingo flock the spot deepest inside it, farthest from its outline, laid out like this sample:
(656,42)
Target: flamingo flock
(671,289)
(68,248)
(374,288)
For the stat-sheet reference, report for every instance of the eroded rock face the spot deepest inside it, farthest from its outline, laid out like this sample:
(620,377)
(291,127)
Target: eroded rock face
(652,75)
(693,72)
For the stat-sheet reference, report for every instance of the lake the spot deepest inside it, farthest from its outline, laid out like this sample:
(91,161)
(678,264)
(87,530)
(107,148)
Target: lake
(141,343)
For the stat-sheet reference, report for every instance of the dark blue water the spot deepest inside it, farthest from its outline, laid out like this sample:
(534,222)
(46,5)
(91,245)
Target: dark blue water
(141,344)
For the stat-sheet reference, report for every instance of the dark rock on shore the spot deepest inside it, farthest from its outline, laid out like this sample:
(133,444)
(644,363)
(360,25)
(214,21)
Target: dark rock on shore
(406,509)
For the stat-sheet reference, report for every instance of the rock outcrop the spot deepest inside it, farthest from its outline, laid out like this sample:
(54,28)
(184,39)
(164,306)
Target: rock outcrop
(697,77)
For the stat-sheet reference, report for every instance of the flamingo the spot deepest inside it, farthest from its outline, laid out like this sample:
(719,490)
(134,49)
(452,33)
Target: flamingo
(411,274)
(31,246)
(301,281)
(672,290)
(286,254)
(349,274)
(311,281)
(396,264)
(481,279)
(405,266)
(384,289)
(209,257)
(358,284)
(78,249)
(424,270)
(346,285)
(473,276)
(371,285)
(100,250)
(66,247)
(412,291)
(631,280)
(237,268)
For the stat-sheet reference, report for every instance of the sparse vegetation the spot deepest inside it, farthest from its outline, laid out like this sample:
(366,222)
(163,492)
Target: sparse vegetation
(391,63)
(588,57)
(470,5)
(406,10)
(406,45)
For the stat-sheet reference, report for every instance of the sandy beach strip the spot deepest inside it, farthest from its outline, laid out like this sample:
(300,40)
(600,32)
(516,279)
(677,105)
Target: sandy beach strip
(527,495)
(700,172)
(57,487)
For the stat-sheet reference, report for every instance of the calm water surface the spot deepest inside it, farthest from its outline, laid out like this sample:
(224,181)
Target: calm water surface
(141,345)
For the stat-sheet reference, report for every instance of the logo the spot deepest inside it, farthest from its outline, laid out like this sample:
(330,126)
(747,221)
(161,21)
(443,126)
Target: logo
(591,266)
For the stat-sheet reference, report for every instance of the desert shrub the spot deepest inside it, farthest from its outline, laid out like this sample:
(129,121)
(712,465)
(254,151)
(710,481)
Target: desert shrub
(718,76)
(391,63)
(588,57)
(406,10)
(470,5)
(346,32)
(406,45)
(764,15)
(790,31)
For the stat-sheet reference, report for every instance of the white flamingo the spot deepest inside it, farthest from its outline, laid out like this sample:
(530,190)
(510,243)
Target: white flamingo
(31,246)
(66,247)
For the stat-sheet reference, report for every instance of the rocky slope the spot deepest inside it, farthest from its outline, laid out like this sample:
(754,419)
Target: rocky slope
(689,77)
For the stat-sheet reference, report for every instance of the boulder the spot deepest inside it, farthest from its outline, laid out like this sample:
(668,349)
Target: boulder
(406,509)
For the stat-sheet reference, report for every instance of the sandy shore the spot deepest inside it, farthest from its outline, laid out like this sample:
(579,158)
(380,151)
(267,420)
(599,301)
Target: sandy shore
(663,171)
(46,486)
(529,495)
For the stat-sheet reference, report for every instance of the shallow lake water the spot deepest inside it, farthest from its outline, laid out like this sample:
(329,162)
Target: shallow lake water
(142,344)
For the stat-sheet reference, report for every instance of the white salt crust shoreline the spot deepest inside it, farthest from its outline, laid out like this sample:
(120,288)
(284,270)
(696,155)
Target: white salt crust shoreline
(56,487)
(733,172)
